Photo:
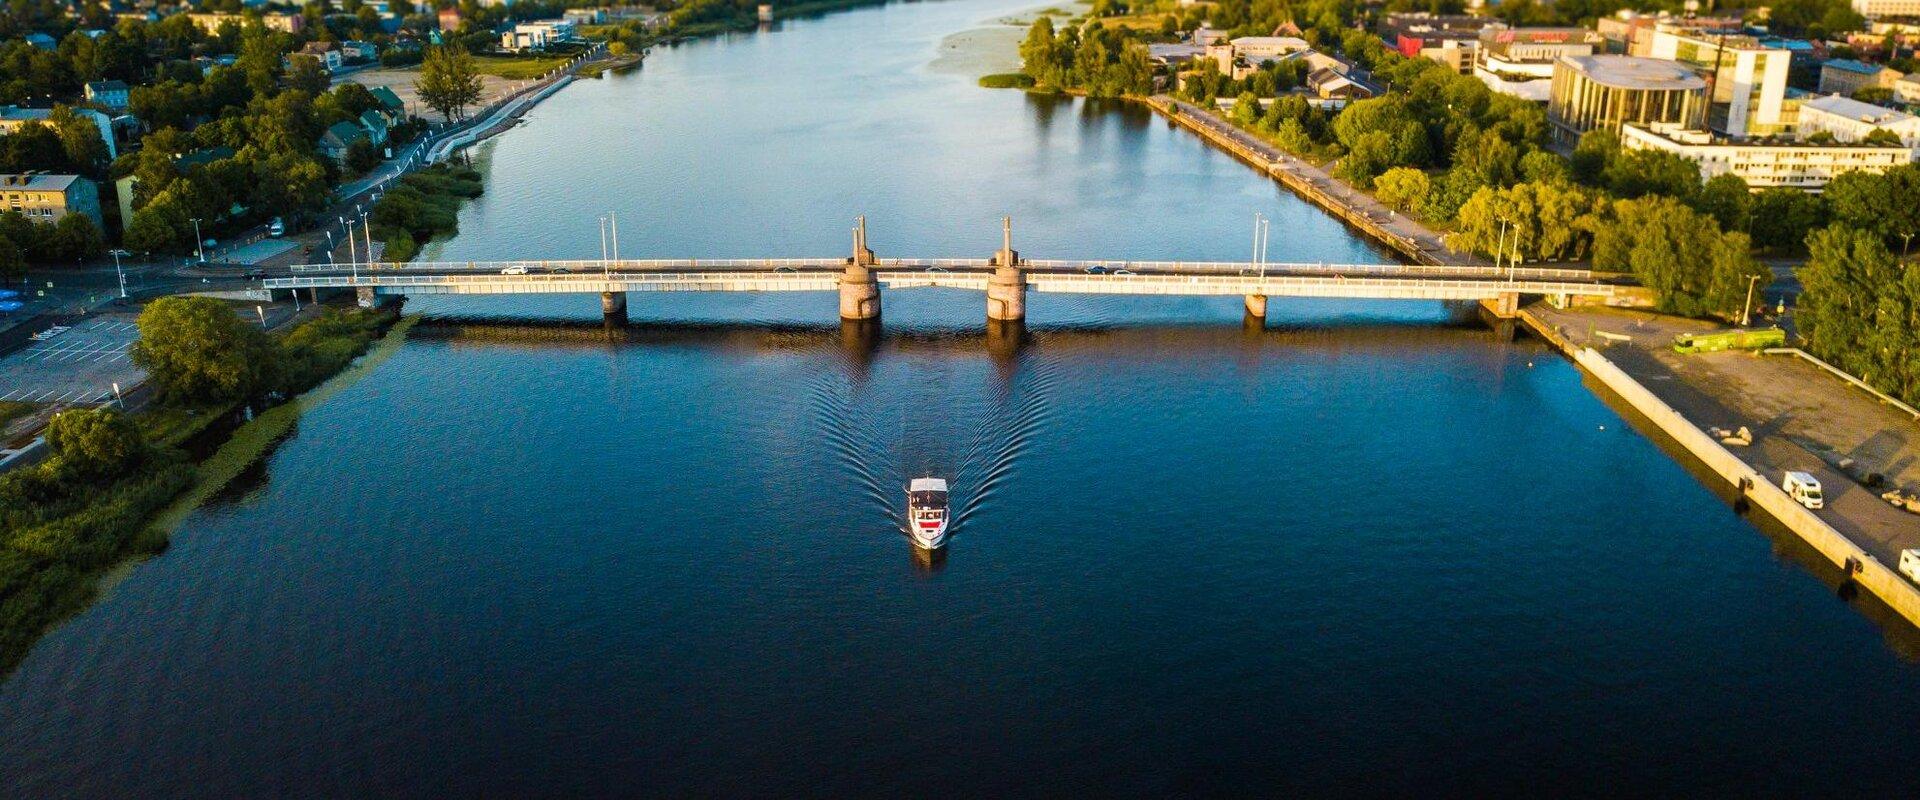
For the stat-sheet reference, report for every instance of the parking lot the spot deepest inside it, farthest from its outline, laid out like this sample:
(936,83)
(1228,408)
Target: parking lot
(77,366)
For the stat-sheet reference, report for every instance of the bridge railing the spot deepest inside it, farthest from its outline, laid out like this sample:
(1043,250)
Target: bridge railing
(573,265)
(1174,282)
(1244,267)
(1181,267)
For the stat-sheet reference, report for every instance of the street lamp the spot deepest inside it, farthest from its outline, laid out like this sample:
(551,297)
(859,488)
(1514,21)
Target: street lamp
(1746,311)
(120,272)
(199,243)
(606,267)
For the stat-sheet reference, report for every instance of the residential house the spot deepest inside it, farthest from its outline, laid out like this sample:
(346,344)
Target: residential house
(1849,120)
(107,94)
(45,198)
(338,138)
(538,35)
(1846,76)
(355,52)
(327,53)
(376,127)
(390,104)
(1765,164)
(12,117)
(42,41)
(1335,89)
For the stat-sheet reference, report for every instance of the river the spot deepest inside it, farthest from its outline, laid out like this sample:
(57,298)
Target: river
(1368,548)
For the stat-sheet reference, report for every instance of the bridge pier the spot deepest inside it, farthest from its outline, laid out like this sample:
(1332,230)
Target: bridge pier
(859,287)
(613,305)
(1257,305)
(1506,306)
(364,294)
(1007,286)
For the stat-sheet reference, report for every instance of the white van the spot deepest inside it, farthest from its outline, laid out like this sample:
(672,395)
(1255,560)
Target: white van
(1910,564)
(1803,488)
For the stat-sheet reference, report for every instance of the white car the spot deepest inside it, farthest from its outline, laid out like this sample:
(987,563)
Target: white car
(276,228)
(1910,564)
(1803,488)
(516,269)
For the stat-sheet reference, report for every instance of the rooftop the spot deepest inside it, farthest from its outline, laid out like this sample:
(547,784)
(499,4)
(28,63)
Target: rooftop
(1854,109)
(37,181)
(1634,72)
(1850,65)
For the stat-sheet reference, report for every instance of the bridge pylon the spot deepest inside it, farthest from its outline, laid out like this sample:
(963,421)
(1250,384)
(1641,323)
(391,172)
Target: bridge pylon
(859,286)
(1007,285)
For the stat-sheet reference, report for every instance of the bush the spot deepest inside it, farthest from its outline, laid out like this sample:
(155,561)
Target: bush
(1007,80)
(196,349)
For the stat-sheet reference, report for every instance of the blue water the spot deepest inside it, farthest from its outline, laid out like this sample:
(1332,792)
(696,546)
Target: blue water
(1365,549)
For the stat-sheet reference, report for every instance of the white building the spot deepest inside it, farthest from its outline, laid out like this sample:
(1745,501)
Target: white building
(1241,57)
(1874,9)
(537,35)
(1850,120)
(1764,165)
(1519,61)
(1748,80)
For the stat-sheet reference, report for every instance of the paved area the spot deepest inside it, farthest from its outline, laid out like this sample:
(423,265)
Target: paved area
(78,366)
(1802,417)
(258,252)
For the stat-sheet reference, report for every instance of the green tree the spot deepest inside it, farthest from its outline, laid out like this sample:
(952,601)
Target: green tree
(1887,204)
(1591,156)
(449,82)
(95,445)
(1727,199)
(1635,173)
(197,350)
(308,75)
(1402,188)
(1788,215)
(1541,166)
(1692,267)
(1528,221)
(13,264)
(75,238)
(1860,308)
(1883,138)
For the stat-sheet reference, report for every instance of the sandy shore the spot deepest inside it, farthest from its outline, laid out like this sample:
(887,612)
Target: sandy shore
(492,88)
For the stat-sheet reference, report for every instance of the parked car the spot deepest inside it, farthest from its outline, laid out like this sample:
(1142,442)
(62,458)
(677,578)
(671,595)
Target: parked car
(1910,564)
(276,228)
(1803,488)
(517,269)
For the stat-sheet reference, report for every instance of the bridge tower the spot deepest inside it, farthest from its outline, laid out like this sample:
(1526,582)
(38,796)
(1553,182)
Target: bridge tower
(1007,285)
(859,287)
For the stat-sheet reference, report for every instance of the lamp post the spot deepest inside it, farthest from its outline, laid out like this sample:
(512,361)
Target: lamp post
(117,253)
(606,267)
(199,244)
(1746,311)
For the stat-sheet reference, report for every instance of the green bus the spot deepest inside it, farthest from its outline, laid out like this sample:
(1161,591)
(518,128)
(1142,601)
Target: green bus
(1729,340)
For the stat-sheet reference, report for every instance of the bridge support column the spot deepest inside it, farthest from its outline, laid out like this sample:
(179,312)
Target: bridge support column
(1257,305)
(614,304)
(1506,306)
(1007,286)
(365,295)
(859,287)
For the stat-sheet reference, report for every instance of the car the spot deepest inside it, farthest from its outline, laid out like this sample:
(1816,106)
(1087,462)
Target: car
(784,269)
(1096,270)
(210,243)
(276,228)
(517,269)
(562,271)
(256,274)
(1803,488)
(1123,271)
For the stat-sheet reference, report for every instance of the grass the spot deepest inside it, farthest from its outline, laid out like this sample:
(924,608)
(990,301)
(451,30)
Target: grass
(61,534)
(1007,80)
(10,411)
(518,68)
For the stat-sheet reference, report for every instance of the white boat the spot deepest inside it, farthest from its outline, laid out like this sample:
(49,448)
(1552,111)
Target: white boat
(927,512)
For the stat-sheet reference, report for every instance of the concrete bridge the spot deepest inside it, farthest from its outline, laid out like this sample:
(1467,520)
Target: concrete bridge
(1005,278)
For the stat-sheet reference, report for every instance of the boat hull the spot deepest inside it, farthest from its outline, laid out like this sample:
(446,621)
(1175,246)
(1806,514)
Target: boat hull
(929,538)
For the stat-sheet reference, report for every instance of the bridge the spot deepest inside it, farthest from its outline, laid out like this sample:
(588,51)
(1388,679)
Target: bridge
(1005,278)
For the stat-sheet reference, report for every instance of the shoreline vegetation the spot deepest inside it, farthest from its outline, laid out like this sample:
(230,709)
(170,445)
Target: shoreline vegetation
(97,500)
(424,204)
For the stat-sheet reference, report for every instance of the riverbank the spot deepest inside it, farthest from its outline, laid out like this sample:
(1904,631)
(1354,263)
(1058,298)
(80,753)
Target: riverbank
(60,535)
(1801,417)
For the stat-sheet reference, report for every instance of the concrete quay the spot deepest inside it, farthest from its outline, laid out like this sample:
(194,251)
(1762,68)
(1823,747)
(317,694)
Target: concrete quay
(1802,419)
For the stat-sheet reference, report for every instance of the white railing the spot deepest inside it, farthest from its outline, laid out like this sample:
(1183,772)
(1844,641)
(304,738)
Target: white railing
(1384,284)
(1242,268)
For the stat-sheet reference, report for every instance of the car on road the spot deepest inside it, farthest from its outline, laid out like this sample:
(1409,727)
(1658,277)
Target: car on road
(1096,270)
(517,269)
(277,228)
(561,271)
(256,274)
(1123,271)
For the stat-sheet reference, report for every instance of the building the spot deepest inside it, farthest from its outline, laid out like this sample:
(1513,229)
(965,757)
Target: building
(12,117)
(1413,33)
(1767,164)
(1605,91)
(107,94)
(1335,89)
(1631,33)
(537,35)
(1746,80)
(376,127)
(358,52)
(1241,57)
(1907,89)
(285,23)
(42,41)
(45,198)
(1850,120)
(585,16)
(1846,76)
(1875,9)
(449,19)
(1519,61)
(390,103)
(327,53)
(1170,55)
(338,138)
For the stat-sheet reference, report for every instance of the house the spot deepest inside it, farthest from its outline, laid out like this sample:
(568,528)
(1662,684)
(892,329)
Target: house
(1330,85)
(124,187)
(1846,76)
(390,104)
(1173,54)
(358,52)
(1849,120)
(107,94)
(42,41)
(327,53)
(12,117)
(1762,163)
(338,138)
(375,126)
(285,23)
(449,19)
(45,198)
(1241,57)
